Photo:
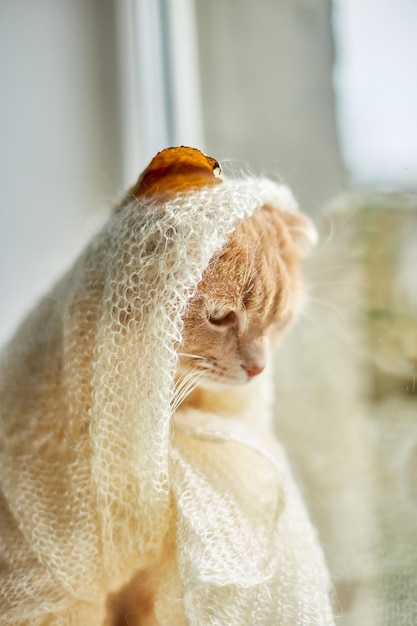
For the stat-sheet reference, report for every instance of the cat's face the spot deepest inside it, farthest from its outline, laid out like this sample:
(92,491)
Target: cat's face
(246,299)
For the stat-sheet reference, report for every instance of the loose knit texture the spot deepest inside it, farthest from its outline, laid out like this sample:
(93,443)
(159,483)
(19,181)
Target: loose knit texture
(96,476)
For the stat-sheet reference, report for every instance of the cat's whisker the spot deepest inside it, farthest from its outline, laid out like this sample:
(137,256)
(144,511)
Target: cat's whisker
(192,356)
(246,274)
(180,396)
(334,230)
(186,385)
(349,215)
(244,295)
(325,242)
(326,304)
(248,270)
(183,382)
(245,320)
(252,284)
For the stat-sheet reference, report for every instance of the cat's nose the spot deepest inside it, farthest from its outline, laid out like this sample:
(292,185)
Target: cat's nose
(253,369)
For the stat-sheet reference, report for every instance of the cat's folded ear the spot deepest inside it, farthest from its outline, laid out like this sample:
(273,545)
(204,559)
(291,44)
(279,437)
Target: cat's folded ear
(302,230)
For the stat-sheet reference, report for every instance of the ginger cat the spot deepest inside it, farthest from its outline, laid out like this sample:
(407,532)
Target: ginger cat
(247,298)
(102,490)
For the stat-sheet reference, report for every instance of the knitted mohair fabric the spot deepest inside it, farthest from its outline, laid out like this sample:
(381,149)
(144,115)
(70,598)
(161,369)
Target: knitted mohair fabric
(96,476)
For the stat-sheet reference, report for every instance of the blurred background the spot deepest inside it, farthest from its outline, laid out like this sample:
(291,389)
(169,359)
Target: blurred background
(319,94)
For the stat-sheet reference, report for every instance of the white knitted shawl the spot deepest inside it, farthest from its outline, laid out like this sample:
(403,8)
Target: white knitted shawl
(97,477)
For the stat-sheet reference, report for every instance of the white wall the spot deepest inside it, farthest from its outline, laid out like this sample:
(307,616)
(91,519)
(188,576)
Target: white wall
(91,90)
(376,87)
(59,140)
(266,72)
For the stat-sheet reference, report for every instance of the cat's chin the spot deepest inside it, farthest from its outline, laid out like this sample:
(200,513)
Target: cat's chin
(217,385)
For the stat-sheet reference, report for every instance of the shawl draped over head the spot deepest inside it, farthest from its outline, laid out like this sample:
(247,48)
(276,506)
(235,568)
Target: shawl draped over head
(99,480)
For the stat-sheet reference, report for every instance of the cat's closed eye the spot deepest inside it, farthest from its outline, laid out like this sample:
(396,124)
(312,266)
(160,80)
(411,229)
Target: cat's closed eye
(221,317)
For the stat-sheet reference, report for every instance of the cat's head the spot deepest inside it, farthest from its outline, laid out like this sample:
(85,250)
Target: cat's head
(252,288)
(247,298)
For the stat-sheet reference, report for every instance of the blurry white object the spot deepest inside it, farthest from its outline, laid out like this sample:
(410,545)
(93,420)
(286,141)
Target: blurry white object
(159,86)
(376,90)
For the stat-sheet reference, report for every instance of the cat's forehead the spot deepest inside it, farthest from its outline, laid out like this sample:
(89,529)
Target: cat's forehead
(253,270)
(256,244)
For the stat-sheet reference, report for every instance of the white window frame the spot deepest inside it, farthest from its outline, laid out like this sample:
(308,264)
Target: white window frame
(159,85)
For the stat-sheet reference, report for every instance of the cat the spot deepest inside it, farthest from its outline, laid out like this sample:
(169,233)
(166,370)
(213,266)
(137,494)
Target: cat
(96,495)
(246,300)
